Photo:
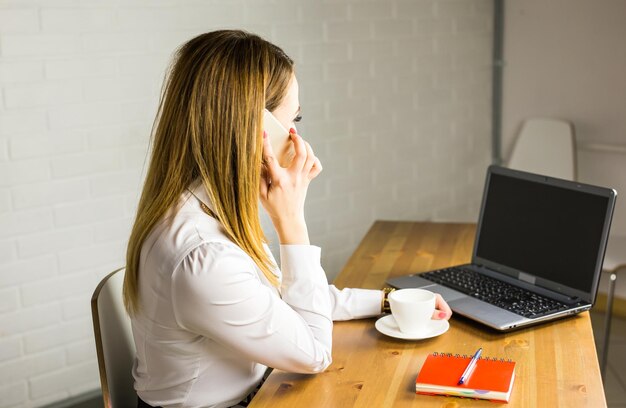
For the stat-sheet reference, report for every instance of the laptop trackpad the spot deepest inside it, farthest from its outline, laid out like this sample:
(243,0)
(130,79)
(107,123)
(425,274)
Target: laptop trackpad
(485,313)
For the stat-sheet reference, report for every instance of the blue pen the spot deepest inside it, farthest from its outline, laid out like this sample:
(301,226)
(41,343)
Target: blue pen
(470,367)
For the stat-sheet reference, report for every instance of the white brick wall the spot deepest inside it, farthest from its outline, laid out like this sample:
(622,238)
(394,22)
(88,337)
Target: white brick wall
(395,97)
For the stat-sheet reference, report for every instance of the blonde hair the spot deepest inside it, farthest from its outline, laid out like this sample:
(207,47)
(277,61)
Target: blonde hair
(209,126)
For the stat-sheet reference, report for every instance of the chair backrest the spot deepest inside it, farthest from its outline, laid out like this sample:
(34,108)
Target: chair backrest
(545,146)
(114,342)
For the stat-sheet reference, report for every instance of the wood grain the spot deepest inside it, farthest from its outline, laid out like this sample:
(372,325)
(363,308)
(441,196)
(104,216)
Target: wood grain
(557,364)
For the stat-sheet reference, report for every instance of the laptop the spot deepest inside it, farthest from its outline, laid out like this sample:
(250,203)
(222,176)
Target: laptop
(537,255)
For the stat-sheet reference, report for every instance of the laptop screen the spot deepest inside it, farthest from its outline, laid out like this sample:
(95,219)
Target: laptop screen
(553,230)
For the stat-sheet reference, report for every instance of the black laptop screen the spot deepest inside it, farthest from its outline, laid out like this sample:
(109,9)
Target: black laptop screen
(541,229)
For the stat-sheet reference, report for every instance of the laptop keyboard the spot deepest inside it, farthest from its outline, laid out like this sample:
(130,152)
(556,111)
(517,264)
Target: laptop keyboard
(495,292)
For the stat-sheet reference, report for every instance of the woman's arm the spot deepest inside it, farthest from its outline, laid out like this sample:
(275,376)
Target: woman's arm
(352,303)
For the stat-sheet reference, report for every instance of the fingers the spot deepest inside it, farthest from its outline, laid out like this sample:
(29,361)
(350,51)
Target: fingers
(269,160)
(442,310)
(316,170)
(304,159)
(310,159)
(300,149)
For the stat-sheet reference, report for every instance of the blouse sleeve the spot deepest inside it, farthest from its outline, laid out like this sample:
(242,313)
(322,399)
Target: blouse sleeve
(217,293)
(346,304)
(353,303)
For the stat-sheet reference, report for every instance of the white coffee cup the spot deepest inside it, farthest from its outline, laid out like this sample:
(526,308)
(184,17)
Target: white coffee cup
(412,309)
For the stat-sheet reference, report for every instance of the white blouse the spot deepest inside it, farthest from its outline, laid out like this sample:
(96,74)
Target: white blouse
(211,323)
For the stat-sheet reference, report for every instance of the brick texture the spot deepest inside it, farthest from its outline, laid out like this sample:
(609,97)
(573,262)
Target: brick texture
(396,102)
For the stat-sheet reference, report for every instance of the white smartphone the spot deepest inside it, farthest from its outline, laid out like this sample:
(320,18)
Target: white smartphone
(279,139)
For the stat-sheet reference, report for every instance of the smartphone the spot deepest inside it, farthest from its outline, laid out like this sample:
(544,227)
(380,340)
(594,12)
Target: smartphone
(279,139)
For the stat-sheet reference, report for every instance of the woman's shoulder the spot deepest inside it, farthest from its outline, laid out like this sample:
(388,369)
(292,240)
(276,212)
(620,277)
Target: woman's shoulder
(183,230)
(215,256)
(217,263)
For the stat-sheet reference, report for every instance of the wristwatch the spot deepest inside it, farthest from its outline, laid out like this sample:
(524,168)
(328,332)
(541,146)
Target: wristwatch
(384,305)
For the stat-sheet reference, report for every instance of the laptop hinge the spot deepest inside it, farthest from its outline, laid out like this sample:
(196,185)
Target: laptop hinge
(526,278)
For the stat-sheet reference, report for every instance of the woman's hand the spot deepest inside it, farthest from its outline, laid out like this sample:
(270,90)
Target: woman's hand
(283,190)
(442,310)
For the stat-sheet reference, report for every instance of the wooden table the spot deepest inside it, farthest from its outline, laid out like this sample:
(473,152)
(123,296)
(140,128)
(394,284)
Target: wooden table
(557,365)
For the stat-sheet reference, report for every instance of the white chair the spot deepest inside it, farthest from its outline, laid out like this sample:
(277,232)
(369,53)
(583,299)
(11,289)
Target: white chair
(545,146)
(114,342)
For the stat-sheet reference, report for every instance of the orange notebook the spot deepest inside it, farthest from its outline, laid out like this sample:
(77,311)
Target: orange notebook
(492,379)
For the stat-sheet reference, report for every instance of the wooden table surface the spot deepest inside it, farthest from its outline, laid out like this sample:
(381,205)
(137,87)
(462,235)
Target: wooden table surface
(557,365)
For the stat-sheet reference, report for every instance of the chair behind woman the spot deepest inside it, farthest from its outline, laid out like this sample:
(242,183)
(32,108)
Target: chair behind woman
(114,342)
(545,146)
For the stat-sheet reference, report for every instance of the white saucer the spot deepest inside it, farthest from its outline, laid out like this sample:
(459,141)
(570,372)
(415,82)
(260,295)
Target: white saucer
(387,325)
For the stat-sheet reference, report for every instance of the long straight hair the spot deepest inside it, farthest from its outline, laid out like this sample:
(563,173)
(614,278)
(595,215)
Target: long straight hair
(209,126)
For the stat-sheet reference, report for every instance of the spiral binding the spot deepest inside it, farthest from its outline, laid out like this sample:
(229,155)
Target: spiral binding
(503,360)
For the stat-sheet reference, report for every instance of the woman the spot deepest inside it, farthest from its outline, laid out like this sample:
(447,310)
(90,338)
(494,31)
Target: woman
(210,309)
